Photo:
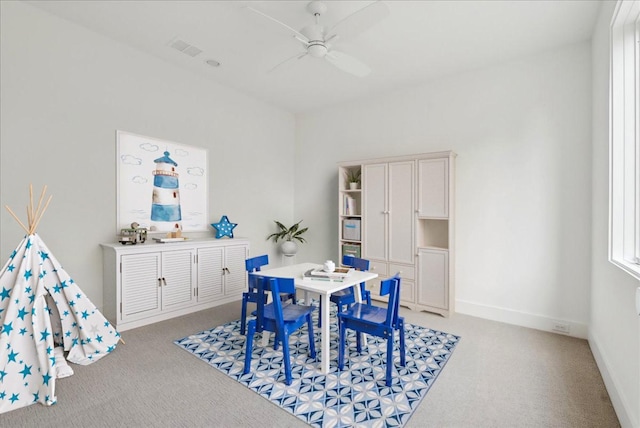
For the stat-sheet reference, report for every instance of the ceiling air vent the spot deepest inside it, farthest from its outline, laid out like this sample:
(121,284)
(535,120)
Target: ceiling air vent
(185,47)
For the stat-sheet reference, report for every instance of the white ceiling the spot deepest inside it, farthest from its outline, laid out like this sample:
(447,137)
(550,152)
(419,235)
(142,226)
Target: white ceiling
(417,42)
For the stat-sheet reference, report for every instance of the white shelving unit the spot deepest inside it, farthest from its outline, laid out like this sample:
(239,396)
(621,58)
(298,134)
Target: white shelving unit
(350,214)
(406,213)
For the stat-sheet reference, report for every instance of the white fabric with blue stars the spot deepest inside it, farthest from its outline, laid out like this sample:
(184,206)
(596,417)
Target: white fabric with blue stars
(41,307)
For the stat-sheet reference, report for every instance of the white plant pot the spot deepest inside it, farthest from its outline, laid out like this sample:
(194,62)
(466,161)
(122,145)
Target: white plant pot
(289,248)
(353,186)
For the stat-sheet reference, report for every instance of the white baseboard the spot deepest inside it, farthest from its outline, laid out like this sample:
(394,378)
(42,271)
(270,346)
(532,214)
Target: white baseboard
(523,319)
(619,401)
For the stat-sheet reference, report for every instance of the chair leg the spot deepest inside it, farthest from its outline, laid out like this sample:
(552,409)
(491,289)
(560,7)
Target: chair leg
(358,342)
(243,316)
(320,314)
(403,361)
(312,342)
(287,359)
(249,346)
(389,358)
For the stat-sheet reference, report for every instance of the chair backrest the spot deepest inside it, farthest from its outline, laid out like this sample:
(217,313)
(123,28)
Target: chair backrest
(391,287)
(355,262)
(358,264)
(255,263)
(276,286)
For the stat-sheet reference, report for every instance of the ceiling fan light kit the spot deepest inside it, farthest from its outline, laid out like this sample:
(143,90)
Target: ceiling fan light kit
(315,37)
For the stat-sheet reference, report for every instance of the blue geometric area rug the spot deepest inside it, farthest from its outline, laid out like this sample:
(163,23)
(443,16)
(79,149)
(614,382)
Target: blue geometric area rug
(354,397)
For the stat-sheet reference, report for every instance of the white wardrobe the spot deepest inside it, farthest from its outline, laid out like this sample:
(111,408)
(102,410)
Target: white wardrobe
(404,213)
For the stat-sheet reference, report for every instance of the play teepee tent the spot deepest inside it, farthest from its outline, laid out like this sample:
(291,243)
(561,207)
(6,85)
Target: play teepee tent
(42,308)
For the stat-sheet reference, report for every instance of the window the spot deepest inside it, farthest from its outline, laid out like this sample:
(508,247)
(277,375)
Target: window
(624,219)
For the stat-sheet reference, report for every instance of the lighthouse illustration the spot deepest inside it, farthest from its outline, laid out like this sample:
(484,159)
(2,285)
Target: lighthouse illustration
(165,208)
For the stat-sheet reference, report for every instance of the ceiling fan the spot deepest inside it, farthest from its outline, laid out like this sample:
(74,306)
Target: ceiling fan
(316,38)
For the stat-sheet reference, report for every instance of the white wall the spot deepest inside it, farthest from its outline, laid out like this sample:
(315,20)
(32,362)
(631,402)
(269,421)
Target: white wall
(65,92)
(522,133)
(614,330)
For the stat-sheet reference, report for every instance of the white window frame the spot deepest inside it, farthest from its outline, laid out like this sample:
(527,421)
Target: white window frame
(624,125)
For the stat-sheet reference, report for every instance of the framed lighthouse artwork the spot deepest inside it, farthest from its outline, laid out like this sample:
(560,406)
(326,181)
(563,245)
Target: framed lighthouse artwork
(162,185)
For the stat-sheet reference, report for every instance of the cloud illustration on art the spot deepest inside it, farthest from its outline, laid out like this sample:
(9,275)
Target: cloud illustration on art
(149,147)
(130,160)
(197,171)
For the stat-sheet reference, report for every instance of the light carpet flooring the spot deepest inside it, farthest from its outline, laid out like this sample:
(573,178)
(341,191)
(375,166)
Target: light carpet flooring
(499,376)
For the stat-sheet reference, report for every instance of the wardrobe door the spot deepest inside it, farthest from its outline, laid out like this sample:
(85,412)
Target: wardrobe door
(374,213)
(400,213)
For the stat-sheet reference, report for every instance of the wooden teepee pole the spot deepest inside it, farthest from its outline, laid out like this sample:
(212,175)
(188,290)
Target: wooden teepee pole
(44,190)
(37,222)
(33,217)
(17,219)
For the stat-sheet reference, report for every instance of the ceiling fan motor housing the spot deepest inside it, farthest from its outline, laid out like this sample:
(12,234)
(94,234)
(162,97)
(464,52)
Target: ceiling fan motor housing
(316,46)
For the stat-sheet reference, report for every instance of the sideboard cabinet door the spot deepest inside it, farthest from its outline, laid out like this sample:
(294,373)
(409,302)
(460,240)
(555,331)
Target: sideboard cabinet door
(235,272)
(210,270)
(178,279)
(140,285)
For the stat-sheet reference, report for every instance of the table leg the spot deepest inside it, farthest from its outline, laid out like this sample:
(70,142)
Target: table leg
(325,338)
(359,300)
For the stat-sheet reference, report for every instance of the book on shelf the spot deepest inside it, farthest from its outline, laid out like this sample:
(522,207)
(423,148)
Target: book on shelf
(349,205)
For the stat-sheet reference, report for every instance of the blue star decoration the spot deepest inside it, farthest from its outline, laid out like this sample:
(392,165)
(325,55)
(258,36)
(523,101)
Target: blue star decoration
(224,227)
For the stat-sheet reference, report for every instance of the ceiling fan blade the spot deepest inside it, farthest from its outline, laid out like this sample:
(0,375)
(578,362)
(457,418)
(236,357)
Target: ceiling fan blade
(296,56)
(296,33)
(348,63)
(360,20)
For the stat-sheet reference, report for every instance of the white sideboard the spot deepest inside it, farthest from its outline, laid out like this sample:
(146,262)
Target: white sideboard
(151,282)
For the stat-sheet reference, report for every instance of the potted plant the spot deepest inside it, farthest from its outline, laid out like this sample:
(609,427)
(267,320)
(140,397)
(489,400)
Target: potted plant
(289,235)
(353,178)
